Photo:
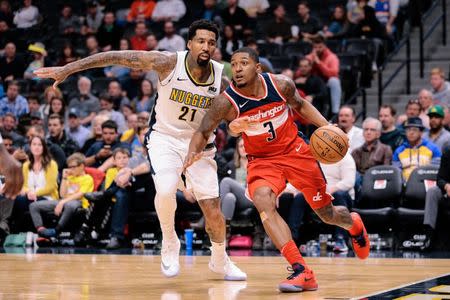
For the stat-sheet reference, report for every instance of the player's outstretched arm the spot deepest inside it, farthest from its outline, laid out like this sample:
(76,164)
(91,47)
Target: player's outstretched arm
(298,104)
(161,62)
(221,109)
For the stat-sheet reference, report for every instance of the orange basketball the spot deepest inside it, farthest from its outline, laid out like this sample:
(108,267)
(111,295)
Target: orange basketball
(328,144)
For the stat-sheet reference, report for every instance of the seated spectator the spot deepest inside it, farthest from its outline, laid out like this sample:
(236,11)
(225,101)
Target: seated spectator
(210,12)
(307,26)
(92,46)
(169,10)
(74,184)
(313,86)
(13,102)
(39,53)
(229,42)
(138,40)
(106,106)
(339,25)
(217,56)
(49,94)
(372,152)
(415,151)
(93,19)
(27,16)
(412,110)
(346,121)
(152,43)
(33,103)
(6,12)
(326,65)
(55,150)
(130,135)
(6,35)
(437,133)
(109,33)
(171,41)
(57,106)
(384,14)
(141,8)
(116,93)
(67,55)
(75,130)
(426,102)
(86,103)
(96,134)
(8,142)
(278,30)
(40,175)
(440,87)
(390,135)
(11,65)
(58,136)
(254,8)
(236,17)
(145,98)
(9,127)
(100,151)
(69,24)
(119,72)
(132,83)
(355,12)
(435,196)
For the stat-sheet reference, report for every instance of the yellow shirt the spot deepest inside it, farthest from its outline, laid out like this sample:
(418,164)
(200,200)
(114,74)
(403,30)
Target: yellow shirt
(84,184)
(51,177)
(127,135)
(111,174)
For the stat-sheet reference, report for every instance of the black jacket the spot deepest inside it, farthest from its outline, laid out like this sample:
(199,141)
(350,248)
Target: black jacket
(443,176)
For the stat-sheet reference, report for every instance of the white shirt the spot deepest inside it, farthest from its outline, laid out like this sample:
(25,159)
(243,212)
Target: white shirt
(26,17)
(173,44)
(253,7)
(341,175)
(173,9)
(356,138)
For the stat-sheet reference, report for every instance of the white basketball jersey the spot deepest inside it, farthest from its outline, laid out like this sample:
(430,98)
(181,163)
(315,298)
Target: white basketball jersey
(181,103)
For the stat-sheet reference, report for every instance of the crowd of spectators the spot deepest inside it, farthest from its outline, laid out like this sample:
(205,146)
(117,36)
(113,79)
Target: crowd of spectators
(94,124)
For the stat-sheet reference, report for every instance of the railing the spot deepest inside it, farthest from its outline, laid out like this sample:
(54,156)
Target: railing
(406,62)
(360,91)
(423,36)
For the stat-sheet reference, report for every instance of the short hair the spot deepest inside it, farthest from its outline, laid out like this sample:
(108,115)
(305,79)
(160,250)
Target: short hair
(14,82)
(305,3)
(121,150)
(38,128)
(109,124)
(391,108)
(318,39)
(106,97)
(414,102)
(7,136)
(202,24)
(84,78)
(9,114)
(438,71)
(33,96)
(56,117)
(77,157)
(349,107)
(376,121)
(251,52)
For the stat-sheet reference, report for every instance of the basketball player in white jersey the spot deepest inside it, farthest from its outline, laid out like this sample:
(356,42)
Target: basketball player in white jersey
(12,172)
(188,81)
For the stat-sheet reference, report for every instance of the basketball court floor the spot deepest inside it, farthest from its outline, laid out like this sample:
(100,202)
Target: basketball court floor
(118,276)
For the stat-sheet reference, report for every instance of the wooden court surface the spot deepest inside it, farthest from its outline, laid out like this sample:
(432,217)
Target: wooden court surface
(47,276)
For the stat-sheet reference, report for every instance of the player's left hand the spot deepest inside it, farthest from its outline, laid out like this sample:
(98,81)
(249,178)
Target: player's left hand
(191,158)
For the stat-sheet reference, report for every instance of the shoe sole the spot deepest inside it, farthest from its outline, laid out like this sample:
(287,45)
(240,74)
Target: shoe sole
(290,288)
(235,278)
(169,275)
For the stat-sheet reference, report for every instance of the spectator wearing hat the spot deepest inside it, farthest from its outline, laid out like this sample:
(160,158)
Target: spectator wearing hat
(13,102)
(415,151)
(36,118)
(437,134)
(39,53)
(74,130)
(107,106)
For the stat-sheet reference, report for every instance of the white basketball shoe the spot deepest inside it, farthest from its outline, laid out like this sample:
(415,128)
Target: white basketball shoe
(227,268)
(170,257)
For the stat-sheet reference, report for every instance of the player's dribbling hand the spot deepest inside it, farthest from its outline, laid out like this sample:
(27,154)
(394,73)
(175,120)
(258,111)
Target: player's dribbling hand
(242,124)
(191,158)
(57,73)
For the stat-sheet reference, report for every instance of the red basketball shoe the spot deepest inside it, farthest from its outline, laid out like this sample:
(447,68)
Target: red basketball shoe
(361,243)
(301,280)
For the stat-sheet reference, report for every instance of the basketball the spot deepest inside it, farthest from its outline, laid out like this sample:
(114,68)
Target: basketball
(328,144)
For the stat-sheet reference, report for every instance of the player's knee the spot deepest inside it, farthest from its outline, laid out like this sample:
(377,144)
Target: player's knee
(166,191)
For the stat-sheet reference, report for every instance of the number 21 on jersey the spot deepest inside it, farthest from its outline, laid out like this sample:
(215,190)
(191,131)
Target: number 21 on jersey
(185,111)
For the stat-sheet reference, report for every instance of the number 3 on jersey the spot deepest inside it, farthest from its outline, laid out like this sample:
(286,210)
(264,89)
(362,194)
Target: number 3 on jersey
(185,111)
(271,130)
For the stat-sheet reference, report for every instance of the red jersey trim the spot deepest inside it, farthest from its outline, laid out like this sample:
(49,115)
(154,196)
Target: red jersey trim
(266,90)
(276,87)
(229,98)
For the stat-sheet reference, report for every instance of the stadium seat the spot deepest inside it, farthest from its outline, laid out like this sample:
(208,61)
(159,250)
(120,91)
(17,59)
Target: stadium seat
(269,49)
(280,62)
(297,49)
(381,190)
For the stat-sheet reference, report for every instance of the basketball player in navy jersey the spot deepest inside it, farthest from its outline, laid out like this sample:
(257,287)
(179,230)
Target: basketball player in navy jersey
(188,81)
(260,106)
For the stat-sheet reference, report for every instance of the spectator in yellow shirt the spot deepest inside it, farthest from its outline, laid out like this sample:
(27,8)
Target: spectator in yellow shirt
(75,183)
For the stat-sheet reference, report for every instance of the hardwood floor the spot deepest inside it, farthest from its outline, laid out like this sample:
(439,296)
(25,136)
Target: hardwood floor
(47,276)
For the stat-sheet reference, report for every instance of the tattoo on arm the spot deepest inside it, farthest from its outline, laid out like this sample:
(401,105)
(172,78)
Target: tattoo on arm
(221,109)
(161,62)
(289,91)
(224,84)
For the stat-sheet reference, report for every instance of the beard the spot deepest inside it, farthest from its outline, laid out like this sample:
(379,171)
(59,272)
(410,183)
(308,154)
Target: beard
(203,62)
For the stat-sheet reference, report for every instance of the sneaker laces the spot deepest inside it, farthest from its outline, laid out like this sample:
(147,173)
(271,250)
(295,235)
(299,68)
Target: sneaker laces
(360,239)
